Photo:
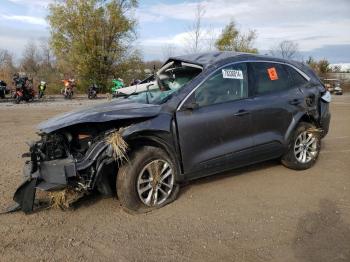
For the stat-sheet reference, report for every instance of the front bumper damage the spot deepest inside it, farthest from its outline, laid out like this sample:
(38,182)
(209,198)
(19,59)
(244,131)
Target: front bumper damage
(49,176)
(60,174)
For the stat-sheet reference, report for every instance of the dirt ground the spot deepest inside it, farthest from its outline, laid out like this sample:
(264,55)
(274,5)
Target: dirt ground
(261,213)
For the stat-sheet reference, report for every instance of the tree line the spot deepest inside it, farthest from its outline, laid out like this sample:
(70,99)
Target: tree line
(92,41)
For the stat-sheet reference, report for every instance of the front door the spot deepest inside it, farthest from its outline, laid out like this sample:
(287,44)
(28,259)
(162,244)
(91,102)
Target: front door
(215,131)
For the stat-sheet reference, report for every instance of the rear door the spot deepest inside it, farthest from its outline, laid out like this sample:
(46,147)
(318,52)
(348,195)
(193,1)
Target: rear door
(215,131)
(276,101)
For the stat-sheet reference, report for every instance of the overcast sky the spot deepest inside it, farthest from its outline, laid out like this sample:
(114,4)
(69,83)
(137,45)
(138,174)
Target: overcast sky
(320,27)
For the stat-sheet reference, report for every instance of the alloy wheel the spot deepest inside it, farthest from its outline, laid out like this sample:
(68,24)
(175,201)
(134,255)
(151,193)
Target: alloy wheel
(155,182)
(306,147)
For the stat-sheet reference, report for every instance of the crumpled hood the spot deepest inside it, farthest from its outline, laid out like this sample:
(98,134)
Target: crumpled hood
(115,110)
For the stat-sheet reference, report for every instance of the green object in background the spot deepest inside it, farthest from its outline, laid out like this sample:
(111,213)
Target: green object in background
(117,84)
(42,85)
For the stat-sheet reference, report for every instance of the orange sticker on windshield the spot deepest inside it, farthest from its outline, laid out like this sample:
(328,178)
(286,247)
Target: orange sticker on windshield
(272,73)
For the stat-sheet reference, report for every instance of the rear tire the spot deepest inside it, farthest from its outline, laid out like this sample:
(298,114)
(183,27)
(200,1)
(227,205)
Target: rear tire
(147,180)
(303,149)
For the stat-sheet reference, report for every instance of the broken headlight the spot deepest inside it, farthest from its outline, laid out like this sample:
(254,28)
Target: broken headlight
(52,146)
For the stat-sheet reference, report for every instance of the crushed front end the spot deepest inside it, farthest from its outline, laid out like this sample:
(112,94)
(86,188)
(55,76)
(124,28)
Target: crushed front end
(79,162)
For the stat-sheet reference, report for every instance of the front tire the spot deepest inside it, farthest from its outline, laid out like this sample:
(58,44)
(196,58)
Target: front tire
(18,100)
(304,147)
(147,181)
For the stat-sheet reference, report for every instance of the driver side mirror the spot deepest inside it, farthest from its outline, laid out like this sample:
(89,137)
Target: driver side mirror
(190,104)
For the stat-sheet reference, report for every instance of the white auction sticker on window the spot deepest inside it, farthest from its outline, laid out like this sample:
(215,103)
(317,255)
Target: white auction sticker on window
(232,74)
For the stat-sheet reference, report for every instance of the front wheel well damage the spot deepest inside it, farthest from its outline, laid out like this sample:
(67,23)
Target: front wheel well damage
(106,177)
(107,167)
(162,140)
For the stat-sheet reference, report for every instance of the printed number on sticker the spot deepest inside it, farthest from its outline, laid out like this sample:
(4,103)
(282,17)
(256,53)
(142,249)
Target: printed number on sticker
(233,74)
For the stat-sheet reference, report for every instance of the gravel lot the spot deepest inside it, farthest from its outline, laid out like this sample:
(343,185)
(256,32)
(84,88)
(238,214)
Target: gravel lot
(261,213)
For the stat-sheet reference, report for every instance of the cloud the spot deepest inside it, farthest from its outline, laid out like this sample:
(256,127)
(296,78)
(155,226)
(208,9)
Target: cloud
(218,10)
(181,40)
(15,39)
(255,11)
(309,35)
(25,19)
(38,3)
(312,24)
(145,17)
(318,26)
(343,66)
(178,39)
(333,53)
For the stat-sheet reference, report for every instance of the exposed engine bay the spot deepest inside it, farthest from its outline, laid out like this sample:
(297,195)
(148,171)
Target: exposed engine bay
(69,159)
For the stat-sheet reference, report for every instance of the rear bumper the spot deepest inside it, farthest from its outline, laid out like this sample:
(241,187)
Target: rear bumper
(325,124)
(325,118)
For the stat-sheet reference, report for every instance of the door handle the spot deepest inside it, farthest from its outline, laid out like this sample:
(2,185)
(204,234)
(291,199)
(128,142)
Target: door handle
(295,101)
(241,112)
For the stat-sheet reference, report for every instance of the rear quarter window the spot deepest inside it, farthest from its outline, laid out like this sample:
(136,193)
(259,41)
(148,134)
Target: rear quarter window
(296,78)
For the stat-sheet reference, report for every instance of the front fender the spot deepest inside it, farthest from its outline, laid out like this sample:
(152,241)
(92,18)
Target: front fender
(161,123)
(159,131)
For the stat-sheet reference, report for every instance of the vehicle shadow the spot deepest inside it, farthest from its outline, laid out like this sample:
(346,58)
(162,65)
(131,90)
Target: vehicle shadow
(322,235)
(88,200)
(230,173)
(96,197)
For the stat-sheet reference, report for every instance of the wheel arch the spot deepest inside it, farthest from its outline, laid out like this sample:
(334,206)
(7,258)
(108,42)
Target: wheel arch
(302,117)
(161,139)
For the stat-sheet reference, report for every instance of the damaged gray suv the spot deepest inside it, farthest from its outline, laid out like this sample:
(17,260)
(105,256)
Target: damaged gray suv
(201,114)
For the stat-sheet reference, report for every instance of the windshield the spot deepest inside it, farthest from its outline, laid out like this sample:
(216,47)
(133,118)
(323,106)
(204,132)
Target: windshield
(169,81)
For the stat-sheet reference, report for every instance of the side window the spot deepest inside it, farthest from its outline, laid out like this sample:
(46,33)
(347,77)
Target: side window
(296,78)
(269,77)
(227,84)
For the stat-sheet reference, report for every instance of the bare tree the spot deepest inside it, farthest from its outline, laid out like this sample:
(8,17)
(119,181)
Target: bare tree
(211,38)
(46,53)
(5,58)
(285,49)
(195,31)
(7,67)
(168,50)
(2,56)
(30,61)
